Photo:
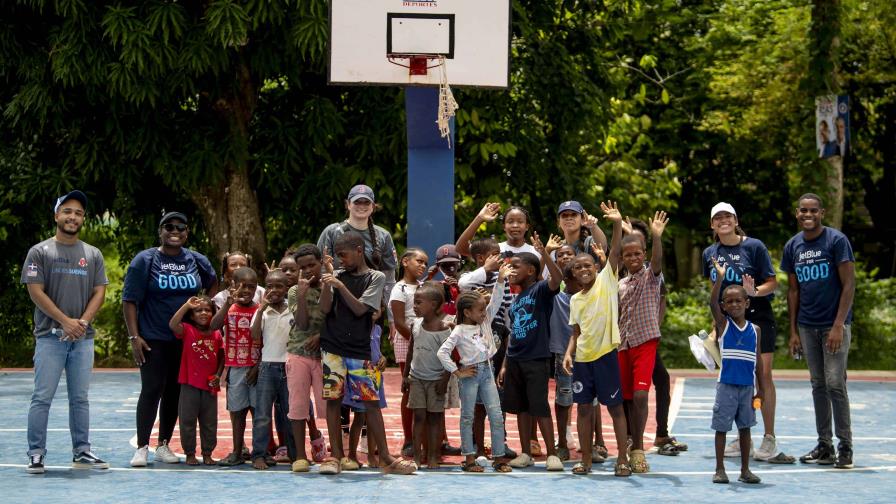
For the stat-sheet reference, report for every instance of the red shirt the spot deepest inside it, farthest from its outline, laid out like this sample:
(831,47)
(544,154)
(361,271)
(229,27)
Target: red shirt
(450,306)
(239,349)
(199,359)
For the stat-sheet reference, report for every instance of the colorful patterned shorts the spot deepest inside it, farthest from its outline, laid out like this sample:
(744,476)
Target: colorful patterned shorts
(358,378)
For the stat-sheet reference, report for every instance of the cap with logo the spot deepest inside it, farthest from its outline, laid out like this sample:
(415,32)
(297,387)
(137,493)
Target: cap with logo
(722,207)
(170,216)
(75,195)
(360,191)
(447,253)
(574,206)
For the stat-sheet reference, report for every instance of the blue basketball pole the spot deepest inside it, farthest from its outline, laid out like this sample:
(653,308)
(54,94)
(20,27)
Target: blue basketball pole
(430,213)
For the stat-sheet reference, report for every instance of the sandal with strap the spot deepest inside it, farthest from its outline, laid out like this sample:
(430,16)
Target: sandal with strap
(349,464)
(668,449)
(580,469)
(622,470)
(638,462)
(400,466)
(782,458)
(471,467)
(501,467)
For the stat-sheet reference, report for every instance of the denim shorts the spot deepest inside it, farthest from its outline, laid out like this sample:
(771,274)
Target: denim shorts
(734,403)
(240,395)
(563,383)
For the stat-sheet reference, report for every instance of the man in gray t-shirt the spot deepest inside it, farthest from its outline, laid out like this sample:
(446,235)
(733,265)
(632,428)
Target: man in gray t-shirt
(66,279)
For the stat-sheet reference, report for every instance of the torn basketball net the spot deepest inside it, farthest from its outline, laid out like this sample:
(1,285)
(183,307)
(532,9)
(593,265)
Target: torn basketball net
(447,104)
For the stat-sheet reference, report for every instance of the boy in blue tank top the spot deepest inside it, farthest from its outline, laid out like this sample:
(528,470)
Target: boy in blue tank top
(741,368)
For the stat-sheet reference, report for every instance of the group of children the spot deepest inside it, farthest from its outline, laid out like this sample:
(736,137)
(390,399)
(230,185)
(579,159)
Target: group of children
(580,308)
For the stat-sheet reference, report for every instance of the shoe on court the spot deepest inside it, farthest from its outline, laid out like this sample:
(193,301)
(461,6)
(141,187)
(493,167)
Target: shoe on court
(563,453)
(164,454)
(523,460)
(844,457)
(733,449)
(768,448)
(535,448)
(140,457)
(511,454)
(87,460)
(822,454)
(36,465)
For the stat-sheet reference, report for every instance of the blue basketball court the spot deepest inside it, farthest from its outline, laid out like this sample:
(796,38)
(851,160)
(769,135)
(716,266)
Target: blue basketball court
(685,477)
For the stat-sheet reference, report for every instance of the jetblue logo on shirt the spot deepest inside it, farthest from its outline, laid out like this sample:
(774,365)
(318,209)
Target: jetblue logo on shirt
(809,254)
(812,266)
(173,267)
(731,276)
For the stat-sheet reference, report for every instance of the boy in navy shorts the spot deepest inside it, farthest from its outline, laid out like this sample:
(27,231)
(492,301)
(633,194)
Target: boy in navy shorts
(591,356)
(740,369)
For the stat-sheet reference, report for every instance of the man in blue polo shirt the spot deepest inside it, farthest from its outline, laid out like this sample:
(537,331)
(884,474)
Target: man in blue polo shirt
(66,279)
(821,272)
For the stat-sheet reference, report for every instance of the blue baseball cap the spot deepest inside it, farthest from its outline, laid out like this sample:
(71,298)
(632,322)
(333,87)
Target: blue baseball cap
(360,191)
(76,194)
(575,206)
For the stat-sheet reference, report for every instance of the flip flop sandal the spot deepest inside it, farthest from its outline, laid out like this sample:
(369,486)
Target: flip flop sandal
(471,467)
(330,466)
(502,467)
(401,466)
(233,459)
(749,478)
(580,469)
(668,449)
(782,458)
(622,470)
(602,450)
(639,462)
(349,464)
(720,478)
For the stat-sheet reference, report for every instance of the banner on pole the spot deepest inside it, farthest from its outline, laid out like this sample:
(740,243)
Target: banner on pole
(832,126)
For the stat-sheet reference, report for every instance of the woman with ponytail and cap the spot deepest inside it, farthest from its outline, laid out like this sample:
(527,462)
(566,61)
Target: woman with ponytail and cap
(750,265)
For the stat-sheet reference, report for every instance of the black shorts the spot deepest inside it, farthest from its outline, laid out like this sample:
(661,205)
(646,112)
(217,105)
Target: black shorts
(761,314)
(526,386)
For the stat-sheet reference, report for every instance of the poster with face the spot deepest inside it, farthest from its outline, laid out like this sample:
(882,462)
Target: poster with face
(832,126)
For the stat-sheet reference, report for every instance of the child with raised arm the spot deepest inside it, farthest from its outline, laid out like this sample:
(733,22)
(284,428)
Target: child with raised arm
(270,327)
(741,369)
(304,375)
(349,299)
(527,365)
(639,328)
(424,379)
(201,366)
(472,337)
(591,356)
(241,355)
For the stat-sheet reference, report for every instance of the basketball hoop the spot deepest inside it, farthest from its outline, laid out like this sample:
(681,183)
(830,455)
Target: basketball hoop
(418,64)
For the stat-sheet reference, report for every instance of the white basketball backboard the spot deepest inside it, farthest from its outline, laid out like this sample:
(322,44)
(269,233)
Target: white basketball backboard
(472,35)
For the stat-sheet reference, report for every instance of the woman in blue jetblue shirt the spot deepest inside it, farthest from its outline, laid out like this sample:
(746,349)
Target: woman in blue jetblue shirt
(747,256)
(159,280)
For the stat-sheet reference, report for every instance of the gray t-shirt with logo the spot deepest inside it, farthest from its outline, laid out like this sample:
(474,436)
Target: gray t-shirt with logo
(69,274)
(426,364)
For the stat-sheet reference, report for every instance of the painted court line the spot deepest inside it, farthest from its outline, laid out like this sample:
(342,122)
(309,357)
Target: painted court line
(855,438)
(457,472)
(675,403)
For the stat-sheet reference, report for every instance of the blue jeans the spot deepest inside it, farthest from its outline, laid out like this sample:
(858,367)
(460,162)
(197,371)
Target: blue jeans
(482,386)
(51,357)
(827,373)
(271,384)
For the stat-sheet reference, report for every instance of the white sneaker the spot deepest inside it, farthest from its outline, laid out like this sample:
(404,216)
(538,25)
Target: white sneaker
(553,463)
(362,445)
(571,440)
(164,454)
(140,457)
(733,449)
(523,460)
(768,448)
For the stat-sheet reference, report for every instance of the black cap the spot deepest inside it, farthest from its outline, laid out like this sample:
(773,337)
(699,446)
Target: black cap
(171,216)
(78,195)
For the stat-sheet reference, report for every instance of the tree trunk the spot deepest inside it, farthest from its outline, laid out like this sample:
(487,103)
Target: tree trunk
(231,209)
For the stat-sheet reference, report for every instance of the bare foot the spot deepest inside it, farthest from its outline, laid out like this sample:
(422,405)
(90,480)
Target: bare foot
(208,460)
(259,464)
(434,463)
(191,460)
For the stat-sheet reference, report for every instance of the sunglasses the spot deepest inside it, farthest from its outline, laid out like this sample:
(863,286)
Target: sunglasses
(172,227)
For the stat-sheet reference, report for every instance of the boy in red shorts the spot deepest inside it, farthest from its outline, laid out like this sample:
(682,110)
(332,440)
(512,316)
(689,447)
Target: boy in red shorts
(639,328)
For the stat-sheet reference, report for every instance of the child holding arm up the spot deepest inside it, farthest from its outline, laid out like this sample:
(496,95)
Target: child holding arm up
(741,368)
